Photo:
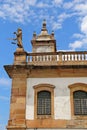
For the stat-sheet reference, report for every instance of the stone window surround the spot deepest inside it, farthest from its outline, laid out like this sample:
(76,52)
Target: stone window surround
(73,88)
(43,87)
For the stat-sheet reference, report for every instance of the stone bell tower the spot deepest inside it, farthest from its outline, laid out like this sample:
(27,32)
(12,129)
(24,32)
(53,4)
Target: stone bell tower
(43,42)
(49,87)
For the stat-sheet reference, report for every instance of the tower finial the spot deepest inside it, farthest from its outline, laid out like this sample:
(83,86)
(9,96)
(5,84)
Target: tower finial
(52,35)
(44,25)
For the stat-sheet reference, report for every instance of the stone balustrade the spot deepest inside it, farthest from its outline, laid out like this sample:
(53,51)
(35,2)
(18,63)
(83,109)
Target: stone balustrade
(57,58)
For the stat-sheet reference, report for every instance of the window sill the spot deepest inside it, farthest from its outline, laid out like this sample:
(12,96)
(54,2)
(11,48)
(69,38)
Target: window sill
(44,116)
(80,117)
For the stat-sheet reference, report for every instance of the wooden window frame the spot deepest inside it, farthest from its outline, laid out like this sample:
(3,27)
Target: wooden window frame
(43,87)
(73,88)
(80,102)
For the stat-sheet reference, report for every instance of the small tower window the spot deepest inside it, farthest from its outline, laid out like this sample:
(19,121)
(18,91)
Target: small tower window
(44,103)
(80,102)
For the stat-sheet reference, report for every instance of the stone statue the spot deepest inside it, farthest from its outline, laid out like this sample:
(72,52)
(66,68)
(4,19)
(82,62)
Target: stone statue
(18,37)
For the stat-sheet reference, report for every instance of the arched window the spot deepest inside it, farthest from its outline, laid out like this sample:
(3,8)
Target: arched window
(44,103)
(80,102)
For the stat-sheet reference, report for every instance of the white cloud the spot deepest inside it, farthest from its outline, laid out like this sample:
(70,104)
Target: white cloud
(68,5)
(84,25)
(5,82)
(42,5)
(4,98)
(78,35)
(81,8)
(30,2)
(17,11)
(80,43)
(75,45)
(2,127)
(20,11)
(23,10)
(78,8)
(56,25)
(63,16)
(2,14)
(57,2)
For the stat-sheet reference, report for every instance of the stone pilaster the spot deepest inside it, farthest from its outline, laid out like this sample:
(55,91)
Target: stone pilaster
(17,119)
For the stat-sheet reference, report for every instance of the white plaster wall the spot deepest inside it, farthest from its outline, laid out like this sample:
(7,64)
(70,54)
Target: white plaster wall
(61,95)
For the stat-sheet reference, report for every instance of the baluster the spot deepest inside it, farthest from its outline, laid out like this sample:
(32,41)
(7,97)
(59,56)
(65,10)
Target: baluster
(60,56)
(52,57)
(35,58)
(70,57)
(80,56)
(45,57)
(74,57)
(84,57)
(42,58)
(64,57)
(77,57)
(32,58)
(55,57)
(48,57)
(28,58)
(38,58)
(67,57)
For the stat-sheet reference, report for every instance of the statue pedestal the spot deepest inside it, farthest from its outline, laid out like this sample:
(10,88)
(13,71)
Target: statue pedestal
(19,50)
(20,56)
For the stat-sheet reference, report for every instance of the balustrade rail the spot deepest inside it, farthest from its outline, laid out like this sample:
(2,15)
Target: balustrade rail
(57,58)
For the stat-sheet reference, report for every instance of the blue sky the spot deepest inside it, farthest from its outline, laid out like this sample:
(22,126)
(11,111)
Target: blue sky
(67,18)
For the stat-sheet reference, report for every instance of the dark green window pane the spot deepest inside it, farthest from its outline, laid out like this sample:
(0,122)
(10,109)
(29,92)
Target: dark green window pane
(44,103)
(80,102)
